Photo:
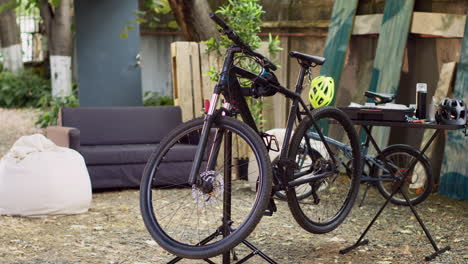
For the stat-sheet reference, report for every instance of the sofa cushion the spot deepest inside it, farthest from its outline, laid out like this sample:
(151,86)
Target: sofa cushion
(133,153)
(121,125)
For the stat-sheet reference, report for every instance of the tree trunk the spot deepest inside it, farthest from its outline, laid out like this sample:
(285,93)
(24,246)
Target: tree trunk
(192,18)
(10,40)
(57,22)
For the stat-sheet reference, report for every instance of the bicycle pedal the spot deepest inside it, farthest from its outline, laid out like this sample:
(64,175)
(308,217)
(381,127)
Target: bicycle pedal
(271,208)
(269,140)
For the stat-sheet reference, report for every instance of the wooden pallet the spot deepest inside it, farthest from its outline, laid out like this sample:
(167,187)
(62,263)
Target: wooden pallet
(187,81)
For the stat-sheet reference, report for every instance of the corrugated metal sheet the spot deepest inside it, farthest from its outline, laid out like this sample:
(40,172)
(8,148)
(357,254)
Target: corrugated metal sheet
(155,51)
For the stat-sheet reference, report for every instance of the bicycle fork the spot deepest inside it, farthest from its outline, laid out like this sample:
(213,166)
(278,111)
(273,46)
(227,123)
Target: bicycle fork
(209,119)
(215,147)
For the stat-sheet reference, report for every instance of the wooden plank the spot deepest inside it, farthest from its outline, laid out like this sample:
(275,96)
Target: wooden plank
(196,79)
(275,107)
(280,102)
(207,61)
(367,24)
(436,24)
(445,80)
(175,89)
(435,153)
(268,104)
(297,23)
(446,25)
(389,54)
(391,46)
(183,89)
(337,41)
(205,67)
(454,166)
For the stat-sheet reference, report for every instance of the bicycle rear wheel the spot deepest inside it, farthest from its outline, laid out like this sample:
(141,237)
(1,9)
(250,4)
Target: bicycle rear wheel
(334,193)
(419,180)
(188,221)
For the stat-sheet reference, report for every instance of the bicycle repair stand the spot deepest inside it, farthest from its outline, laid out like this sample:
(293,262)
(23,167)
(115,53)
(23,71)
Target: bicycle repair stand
(225,229)
(361,242)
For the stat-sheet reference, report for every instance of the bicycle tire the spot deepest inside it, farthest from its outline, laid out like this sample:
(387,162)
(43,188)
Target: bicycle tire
(421,182)
(191,247)
(341,189)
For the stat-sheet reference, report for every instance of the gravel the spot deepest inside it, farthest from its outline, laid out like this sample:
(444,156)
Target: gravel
(112,231)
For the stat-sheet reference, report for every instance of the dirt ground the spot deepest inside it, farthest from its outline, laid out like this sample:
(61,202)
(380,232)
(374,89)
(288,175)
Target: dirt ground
(112,231)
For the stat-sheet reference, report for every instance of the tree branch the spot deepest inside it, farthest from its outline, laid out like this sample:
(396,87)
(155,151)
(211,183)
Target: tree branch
(192,18)
(47,14)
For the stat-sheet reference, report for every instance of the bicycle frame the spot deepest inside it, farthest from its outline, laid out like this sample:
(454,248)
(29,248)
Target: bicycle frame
(368,158)
(229,87)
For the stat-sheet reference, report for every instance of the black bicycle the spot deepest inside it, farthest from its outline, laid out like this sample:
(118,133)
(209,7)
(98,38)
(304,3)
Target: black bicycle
(205,213)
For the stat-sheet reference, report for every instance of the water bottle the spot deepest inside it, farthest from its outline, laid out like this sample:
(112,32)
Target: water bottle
(421,94)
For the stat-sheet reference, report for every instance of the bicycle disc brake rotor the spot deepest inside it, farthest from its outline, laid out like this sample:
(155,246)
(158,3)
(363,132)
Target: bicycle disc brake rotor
(215,196)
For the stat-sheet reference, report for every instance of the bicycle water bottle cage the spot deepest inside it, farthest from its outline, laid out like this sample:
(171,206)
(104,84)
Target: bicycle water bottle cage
(269,140)
(379,98)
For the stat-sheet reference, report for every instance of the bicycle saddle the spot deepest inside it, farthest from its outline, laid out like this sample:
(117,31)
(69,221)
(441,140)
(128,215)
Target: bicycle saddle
(380,98)
(307,58)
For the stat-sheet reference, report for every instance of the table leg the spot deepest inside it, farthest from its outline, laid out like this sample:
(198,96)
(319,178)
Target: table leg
(360,241)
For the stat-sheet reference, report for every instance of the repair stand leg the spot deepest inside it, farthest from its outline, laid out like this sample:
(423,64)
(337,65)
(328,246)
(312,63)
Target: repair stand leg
(434,245)
(227,192)
(361,242)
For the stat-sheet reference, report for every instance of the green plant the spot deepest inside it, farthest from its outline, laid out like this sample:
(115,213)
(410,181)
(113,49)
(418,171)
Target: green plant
(245,18)
(51,107)
(154,99)
(149,16)
(22,90)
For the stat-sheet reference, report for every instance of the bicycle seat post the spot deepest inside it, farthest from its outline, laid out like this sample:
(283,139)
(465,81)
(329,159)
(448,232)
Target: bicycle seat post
(301,76)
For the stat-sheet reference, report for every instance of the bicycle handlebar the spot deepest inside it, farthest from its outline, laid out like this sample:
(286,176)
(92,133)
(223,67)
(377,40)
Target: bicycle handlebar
(237,40)
(219,21)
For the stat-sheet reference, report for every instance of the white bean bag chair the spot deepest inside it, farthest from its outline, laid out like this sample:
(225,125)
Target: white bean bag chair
(38,178)
(279,133)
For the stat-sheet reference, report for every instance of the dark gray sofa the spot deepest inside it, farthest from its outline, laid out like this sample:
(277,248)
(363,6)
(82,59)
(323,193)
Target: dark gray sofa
(116,142)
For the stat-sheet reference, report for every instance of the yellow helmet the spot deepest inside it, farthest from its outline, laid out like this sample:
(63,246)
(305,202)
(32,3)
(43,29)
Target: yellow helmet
(321,91)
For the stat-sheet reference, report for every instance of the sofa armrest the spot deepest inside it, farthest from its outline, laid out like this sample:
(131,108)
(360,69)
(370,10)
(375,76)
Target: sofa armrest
(64,136)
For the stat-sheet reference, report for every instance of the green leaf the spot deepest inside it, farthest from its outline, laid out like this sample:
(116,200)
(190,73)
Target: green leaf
(173,24)
(123,35)
(55,3)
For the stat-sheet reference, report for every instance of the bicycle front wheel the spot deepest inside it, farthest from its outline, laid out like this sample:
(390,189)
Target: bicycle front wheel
(196,222)
(332,174)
